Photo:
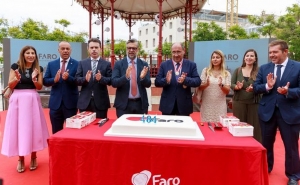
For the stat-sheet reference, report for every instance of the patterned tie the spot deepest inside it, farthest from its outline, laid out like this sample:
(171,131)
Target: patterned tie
(177,67)
(63,67)
(94,68)
(278,75)
(133,79)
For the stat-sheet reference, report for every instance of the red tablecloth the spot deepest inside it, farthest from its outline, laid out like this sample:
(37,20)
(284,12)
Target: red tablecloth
(86,157)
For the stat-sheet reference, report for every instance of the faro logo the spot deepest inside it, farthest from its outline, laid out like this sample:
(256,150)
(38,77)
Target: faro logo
(143,178)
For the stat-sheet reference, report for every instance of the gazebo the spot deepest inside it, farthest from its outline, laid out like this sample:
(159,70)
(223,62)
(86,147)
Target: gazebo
(142,10)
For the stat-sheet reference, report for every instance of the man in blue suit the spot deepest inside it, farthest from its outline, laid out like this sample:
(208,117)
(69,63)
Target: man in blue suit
(177,76)
(131,77)
(280,106)
(60,74)
(94,74)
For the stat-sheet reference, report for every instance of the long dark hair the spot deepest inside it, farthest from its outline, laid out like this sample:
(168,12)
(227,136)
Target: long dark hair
(22,62)
(254,70)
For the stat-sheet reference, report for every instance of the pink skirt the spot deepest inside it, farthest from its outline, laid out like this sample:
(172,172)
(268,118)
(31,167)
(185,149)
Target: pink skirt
(25,128)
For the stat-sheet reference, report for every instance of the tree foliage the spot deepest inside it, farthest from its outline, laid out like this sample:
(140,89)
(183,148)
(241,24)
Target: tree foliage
(288,29)
(266,23)
(208,31)
(237,32)
(166,49)
(35,30)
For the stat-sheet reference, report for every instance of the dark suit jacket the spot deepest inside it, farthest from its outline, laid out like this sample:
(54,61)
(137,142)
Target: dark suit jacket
(65,91)
(99,88)
(289,105)
(174,90)
(120,82)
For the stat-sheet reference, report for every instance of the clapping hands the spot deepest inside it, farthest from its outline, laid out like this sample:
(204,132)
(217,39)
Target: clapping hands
(34,75)
(283,90)
(169,76)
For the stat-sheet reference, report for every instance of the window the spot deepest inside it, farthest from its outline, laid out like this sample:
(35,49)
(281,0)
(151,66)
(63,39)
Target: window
(140,33)
(170,38)
(153,29)
(146,31)
(170,25)
(146,43)
(153,45)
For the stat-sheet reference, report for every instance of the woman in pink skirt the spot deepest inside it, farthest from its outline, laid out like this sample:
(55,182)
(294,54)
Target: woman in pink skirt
(25,129)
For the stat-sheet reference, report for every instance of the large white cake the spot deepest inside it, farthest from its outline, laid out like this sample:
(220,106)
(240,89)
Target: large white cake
(169,127)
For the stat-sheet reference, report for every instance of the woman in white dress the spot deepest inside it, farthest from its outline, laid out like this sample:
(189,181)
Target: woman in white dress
(216,81)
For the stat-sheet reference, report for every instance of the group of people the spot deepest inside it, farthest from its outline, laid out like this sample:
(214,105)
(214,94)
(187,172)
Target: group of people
(265,97)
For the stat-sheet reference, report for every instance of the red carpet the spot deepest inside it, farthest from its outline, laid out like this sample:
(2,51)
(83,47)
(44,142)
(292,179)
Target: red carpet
(41,176)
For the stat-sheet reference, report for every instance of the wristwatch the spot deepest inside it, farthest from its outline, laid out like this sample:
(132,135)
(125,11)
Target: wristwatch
(221,85)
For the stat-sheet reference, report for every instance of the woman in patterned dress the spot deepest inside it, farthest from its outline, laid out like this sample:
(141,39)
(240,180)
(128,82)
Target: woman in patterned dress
(216,81)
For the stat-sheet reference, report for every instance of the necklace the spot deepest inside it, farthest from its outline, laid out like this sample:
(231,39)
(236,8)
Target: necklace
(27,73)
(216,73)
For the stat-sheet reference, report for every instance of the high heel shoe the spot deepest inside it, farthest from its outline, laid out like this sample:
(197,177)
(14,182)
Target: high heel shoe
(21,166)
(33,164)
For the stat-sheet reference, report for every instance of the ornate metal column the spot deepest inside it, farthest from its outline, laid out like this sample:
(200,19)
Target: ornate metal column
(90,19)
(159,56)
(112,50)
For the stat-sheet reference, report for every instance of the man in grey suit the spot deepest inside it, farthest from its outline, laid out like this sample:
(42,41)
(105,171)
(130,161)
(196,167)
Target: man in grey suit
(131,77)
(94,74)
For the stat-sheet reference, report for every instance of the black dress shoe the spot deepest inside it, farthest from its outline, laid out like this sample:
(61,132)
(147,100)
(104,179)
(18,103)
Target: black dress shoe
(292,182)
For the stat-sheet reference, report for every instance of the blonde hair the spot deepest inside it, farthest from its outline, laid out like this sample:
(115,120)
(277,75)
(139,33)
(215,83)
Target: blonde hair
(224,72)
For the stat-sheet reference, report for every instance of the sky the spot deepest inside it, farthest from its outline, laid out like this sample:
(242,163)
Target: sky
(47,11)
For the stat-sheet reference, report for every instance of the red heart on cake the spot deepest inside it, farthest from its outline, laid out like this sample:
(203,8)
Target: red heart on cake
(134,118)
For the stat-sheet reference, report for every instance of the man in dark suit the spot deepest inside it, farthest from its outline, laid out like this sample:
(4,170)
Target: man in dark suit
(60,74)
(177,76)
(280,106)
(94,74)
(131,77)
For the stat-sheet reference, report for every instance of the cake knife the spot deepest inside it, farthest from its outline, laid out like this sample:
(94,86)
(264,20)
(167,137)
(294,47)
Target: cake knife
(210,126)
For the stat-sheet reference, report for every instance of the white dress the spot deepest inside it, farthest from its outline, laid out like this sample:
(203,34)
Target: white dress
(213,98)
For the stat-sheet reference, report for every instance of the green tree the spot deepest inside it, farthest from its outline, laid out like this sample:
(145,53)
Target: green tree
(208,31)
(120,48)
(36,30)
(65,23)
(166,49)
(237,32)
(29,29)
(266,23)
(288,28)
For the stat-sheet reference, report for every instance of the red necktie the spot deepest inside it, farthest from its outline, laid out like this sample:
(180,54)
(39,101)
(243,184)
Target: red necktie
(63,67)
(133,80)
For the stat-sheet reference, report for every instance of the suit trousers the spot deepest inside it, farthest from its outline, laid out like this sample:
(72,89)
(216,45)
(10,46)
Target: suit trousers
(175,111)
(290,136)
(59,116)
(134,106)
(92,108)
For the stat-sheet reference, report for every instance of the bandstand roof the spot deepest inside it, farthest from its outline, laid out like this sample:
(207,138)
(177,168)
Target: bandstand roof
(142,9)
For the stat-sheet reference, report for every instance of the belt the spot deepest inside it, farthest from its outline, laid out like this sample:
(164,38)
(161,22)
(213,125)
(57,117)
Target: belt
(134,99)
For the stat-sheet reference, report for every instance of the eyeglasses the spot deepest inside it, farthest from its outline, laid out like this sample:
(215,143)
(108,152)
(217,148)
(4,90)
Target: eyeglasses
(132,48)
(176,52)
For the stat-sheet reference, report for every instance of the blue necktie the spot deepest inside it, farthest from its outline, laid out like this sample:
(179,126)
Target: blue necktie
(278,75)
